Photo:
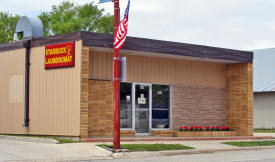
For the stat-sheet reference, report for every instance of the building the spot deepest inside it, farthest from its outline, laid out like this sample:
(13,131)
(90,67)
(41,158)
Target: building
(264,88)
(168,85)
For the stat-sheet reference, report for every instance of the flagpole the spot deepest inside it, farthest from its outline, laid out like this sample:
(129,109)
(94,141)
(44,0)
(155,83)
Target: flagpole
(116,81)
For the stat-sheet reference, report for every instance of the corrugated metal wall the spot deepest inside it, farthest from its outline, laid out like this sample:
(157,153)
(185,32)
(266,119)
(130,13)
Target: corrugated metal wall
(54,95)
(145,69)
(12,65)
(264,110)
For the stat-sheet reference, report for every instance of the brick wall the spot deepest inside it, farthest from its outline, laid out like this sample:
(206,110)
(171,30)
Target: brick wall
(84,92)
(100,108)
(127,133)
(195,105)
(239,101)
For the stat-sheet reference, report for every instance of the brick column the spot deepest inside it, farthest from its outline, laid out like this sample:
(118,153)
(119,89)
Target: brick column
(239,98)
(100,108)
(84,92)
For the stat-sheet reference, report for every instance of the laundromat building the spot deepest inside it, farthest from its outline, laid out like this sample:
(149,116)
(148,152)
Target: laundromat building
(168,85)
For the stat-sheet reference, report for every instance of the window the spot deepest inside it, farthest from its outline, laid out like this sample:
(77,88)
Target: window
(125,105)
(160,106)
(160,100)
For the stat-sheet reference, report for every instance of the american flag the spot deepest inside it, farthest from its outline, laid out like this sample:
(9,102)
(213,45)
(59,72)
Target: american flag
(122,30)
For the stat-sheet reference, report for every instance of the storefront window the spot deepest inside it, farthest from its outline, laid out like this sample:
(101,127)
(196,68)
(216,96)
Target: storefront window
(125,105)
(160,106)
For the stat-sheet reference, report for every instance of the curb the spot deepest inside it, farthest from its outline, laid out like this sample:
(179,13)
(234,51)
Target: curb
(182,152)
(29,139)
(179,139)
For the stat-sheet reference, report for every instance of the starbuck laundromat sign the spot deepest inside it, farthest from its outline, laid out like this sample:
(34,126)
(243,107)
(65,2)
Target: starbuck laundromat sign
(60,55)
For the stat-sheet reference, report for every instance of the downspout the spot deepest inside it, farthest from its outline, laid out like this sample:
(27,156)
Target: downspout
(27,46)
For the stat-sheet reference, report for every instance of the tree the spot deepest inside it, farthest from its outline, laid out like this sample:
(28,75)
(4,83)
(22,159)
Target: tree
(69,17)
(7,26)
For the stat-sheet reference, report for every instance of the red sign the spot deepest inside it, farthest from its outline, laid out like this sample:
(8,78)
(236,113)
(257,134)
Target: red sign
(59,55)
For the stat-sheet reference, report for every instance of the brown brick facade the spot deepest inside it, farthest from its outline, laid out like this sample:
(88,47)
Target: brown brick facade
(100,108)
(195,105)
(163,133)
(239,101)
(191,105)
(84,92)
(127,133)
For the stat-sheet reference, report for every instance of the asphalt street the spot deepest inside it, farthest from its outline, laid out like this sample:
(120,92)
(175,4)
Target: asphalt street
(228,156)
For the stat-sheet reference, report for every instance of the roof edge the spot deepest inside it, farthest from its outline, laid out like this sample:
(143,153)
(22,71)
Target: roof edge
(140,44)
(263,91)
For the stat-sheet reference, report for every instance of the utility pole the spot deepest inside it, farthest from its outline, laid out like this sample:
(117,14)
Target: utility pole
(116,81)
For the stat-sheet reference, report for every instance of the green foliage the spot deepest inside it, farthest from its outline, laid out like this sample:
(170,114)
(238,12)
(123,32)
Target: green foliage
(7,26)
(69,17)
(264,130)
(64,18)
(63,140)
(20,35)
(150,147)
(251,143)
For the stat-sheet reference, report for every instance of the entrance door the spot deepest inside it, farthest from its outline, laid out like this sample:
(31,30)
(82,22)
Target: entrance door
(142,108)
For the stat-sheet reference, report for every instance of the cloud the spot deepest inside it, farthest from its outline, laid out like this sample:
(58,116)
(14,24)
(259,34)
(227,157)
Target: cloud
(238,24)
(231,24)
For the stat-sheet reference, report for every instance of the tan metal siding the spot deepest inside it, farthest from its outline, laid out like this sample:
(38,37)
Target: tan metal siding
(54,95)
(146,69)
(12,65)
(100,65)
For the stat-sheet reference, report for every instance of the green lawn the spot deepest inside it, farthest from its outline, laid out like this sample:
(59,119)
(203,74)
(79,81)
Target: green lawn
(63,140)
(264,130)
(60,140)
(150,147)
(251,143)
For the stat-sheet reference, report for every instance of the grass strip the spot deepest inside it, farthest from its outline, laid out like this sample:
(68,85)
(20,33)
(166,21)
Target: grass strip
(150,147)
(251,143)
(59,139)
(264,130)
(64,140)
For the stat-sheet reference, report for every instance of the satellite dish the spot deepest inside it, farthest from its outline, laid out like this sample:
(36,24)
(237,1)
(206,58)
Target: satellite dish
(28,28)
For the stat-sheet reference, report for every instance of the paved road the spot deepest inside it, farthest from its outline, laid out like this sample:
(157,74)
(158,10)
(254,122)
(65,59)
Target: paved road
(229,156)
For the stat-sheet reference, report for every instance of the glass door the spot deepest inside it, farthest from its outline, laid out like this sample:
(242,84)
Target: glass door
(142,108)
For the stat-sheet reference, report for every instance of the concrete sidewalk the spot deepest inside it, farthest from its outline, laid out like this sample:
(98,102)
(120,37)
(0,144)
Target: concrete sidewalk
(13,150)
(29,139)
(264,134)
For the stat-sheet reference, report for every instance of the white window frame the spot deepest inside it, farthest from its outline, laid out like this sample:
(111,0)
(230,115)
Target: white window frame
(150,108)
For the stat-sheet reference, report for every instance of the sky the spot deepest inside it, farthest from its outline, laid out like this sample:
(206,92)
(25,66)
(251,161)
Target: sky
(235,24)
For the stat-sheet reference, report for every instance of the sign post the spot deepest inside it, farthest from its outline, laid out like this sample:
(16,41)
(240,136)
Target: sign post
(116,79)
